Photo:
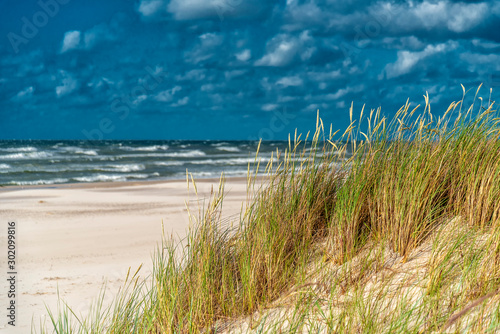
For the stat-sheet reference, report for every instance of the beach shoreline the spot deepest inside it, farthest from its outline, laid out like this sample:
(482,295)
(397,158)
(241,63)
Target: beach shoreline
(73,238)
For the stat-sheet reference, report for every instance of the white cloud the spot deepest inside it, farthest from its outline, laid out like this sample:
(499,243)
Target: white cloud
(210,40)
(191,9)
(181,102)
(200,9)
(206,47)
(283,49)
(221,9)
(244,55)
(138,100)
(71,40)
(485,44)
(397,17)
(196,75)
(344,91)
(407,16)
(24,94)
(407,59)
(149,8)
(297,16)
(207,88)
(290,81)
(97,34)
(341,92)
(482,62)
(103,32)
(68,84)
(269,107)
(167,95)
(457,17)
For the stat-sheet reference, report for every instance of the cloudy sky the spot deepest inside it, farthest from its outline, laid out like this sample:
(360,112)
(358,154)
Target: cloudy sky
(232,69)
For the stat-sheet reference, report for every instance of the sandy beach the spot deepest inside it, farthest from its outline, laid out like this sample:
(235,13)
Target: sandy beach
(73,238)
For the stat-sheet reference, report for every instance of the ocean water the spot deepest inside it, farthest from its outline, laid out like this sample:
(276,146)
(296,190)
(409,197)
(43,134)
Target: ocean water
(56,162)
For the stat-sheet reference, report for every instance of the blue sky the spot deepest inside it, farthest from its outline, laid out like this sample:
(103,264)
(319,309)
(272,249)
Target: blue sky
(232,69)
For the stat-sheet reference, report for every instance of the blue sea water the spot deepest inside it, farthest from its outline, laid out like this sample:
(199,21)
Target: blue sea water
(54,162)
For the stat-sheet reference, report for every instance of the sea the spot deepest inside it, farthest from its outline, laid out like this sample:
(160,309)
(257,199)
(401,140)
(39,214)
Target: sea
(41,162)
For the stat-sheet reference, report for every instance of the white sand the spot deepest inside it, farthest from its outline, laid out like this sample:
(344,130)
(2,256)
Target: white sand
(76,237)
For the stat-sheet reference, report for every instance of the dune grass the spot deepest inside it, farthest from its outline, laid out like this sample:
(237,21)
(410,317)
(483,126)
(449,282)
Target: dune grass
(395,229)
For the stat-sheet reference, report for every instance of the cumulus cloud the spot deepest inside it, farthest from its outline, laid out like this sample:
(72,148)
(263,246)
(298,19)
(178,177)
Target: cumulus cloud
(87,40)
(181,102)
(485,44)
(24,94)
(71,41)
(228,75)
(292,81)
(167,95)
(192,9)
(201,9)
(407,60)
(299,15)
(343,91)
(206,47)
(283,49)
(483,62)
(244,55)
(375,19)
(192,75)
(457,17)
(270,106)
(68,84)
(97,34)
(149,8)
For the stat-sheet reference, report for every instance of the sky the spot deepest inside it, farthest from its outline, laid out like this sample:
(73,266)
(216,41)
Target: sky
(233,69)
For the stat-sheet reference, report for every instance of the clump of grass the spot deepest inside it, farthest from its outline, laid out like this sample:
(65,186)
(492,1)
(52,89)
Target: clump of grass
(397,232)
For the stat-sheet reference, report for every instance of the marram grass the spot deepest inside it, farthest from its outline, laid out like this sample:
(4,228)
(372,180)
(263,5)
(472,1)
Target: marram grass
(392,230)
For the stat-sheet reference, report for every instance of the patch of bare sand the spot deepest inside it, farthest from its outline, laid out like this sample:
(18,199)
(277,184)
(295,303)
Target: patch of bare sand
(73,238)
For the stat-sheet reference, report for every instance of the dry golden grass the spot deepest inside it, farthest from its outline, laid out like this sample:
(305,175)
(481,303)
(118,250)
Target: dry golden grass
(392,230)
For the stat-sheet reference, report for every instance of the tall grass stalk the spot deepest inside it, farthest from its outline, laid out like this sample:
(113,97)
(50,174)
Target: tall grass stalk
(395,229)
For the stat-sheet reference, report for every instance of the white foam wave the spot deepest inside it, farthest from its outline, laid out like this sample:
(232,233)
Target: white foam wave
(215,174)
(169,163)
(31,155)
(110,178)
(226,162)
(122,168)
(39,182)
(19,149)
(188,154)
(78,150)
(2,166)
(146,148)
(86,152)
(228,149)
